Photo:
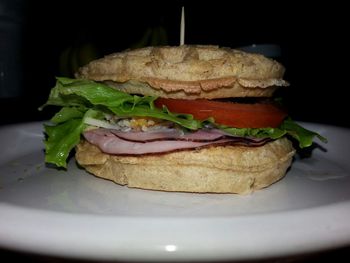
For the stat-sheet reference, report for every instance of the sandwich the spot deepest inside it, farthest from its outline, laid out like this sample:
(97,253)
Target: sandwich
(198,119)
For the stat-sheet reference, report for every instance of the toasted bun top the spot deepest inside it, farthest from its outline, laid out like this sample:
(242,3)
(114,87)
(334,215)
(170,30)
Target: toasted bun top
(185,70)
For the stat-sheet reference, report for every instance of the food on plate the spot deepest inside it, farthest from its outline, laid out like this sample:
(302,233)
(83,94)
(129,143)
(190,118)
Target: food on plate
(186,118)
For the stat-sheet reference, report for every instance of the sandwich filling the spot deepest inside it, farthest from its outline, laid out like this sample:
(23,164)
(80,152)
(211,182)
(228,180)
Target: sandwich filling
(140,143)
(124,124)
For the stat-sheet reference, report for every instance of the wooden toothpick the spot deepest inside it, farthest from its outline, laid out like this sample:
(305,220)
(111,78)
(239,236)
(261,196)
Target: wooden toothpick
(182,27)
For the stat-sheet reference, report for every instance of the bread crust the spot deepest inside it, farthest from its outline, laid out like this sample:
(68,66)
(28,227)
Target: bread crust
(222,169)
(198,71)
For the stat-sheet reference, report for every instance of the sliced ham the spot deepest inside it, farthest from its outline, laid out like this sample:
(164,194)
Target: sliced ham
(110,141)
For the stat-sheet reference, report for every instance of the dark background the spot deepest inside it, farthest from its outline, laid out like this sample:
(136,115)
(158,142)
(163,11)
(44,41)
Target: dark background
(312,38)
(37,34)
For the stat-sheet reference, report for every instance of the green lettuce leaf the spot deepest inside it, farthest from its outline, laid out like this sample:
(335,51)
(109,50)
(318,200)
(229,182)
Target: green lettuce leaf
(80,99)
(289,127)
(64,135)
(67,113)
(273,133)
(90,94)
(303,136)
(61,139)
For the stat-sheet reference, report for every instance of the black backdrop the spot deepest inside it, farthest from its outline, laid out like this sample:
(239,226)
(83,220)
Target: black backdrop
(312,38)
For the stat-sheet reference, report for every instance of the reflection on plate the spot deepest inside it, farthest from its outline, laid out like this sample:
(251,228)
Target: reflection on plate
(72,213)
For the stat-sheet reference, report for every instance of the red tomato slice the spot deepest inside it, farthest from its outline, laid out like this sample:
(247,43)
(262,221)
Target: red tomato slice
(239,115)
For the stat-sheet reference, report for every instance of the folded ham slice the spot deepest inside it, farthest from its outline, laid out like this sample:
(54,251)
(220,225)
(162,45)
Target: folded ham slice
(139,143)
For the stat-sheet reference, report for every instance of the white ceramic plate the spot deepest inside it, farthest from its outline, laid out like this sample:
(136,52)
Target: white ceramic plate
(73,214)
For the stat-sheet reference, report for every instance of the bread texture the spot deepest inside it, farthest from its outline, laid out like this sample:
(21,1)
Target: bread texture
(220,169)
(188,72)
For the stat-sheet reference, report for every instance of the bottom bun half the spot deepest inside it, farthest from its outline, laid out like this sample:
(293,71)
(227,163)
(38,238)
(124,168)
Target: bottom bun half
(220,169)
